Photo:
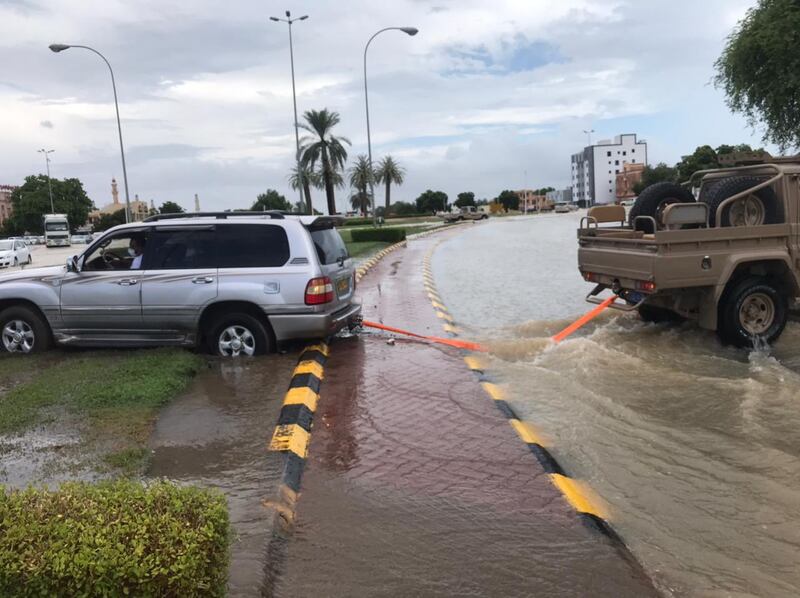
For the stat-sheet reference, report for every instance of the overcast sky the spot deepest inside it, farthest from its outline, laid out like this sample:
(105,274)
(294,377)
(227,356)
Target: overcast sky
(485,93)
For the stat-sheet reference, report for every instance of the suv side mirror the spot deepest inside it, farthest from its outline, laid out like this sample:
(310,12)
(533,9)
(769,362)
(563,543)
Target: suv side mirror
(72,264)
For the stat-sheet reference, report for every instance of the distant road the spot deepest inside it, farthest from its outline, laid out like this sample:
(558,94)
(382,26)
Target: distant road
(52,256)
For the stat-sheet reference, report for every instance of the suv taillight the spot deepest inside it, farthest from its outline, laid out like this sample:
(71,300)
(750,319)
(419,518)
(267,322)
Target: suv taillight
(319,291)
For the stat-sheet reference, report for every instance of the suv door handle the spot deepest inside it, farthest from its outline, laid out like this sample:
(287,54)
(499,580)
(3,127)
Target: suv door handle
(203,279)
(127,282)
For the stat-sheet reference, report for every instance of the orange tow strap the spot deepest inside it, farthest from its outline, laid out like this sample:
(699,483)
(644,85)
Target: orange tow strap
(434,339)
(582,320)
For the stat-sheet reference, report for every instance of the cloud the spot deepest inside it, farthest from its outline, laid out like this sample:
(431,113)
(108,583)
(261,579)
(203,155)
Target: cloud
(482,95)
(47,124)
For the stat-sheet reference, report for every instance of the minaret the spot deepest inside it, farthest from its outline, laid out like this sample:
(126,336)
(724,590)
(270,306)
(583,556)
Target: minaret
(152,206)
(114,192)
(196,203)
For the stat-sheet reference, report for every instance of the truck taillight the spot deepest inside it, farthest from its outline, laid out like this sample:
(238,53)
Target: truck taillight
(589,276)
(319,291)
(645,285)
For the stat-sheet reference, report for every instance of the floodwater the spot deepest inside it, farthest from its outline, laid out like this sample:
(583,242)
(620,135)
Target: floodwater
(215,435)
(695,446)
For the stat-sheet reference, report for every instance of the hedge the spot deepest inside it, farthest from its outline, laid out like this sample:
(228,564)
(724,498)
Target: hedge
(385,235)
(113,539)
(358,221)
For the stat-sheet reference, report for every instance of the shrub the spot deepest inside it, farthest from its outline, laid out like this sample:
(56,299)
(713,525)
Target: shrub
(113,538)
(358,221)
(384,235)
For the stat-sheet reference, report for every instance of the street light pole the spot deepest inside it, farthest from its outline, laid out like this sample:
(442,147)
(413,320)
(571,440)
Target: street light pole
(408,31)
(588,136)
(49,185)
(60,48)
(300,173)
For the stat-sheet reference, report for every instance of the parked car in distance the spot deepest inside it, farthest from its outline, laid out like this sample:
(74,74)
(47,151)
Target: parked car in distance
(80,239)
(237,283)
(562,208)
(14,252)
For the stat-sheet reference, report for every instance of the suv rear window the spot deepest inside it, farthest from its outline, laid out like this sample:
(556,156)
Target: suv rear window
(329,245)
(251,246)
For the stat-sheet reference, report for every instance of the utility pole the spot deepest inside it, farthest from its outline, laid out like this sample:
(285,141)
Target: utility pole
(49,185)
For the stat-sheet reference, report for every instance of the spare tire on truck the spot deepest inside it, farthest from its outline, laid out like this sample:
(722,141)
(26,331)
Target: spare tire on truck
(652,201)
(754,209)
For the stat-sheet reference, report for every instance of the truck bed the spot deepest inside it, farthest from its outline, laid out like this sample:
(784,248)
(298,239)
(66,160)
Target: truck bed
(673,258)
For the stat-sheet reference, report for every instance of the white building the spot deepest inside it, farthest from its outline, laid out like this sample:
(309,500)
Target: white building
(595,169)
(560,195)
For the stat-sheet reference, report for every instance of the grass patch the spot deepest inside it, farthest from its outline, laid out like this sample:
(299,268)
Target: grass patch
(113,539)
(364,248)
(117,394)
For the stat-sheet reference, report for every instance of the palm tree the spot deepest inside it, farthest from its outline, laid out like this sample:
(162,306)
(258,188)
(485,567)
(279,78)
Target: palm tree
(388,172)
(323,147)
(360,177)
(359,201)
(303,177)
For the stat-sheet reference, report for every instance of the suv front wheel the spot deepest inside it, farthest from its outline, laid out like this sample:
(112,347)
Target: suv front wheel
(22,330)
(237,335)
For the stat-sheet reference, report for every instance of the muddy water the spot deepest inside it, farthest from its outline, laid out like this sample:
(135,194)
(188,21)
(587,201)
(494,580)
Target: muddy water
(695,446)
(216,436)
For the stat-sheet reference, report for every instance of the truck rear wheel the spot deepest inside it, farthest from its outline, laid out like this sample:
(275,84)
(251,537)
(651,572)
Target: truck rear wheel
(757,208)
(752,310)
(652,201)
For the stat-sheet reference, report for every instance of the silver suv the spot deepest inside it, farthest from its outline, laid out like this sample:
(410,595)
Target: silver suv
(236,282)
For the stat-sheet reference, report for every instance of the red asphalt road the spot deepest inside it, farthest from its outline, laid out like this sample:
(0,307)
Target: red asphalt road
(416,485)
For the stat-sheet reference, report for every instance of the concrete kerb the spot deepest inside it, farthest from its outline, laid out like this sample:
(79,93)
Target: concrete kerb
(577,493)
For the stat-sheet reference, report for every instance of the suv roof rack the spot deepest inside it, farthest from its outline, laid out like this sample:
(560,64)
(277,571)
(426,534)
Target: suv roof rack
(273,214)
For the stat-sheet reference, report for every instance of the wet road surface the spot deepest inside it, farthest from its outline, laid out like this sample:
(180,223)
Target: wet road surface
(416,485)
(215,435)
(695,446)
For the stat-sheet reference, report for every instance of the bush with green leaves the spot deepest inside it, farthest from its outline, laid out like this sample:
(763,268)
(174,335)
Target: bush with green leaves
(383,235)
(113,539)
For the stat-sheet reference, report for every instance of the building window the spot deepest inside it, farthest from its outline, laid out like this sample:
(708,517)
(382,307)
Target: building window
(624,153)
(633,161)
(616,171)
(633,151)
(616,162)
(608,153)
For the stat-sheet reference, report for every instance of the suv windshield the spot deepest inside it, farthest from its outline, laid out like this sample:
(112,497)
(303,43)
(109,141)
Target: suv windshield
(329,244)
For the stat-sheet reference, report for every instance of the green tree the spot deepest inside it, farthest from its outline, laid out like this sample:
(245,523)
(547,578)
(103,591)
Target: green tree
(432,201)
(31,202)
(702,158)
(170,207)
(655,174)
(759,70)
(465,198)
(403,208)
(544,190)
(360,177)
(107,221)
(323,147)
(508,199)
(271,200)
(389,173)
(304,178)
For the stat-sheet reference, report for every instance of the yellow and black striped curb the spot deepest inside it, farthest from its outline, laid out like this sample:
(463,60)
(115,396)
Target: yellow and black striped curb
(577,493)
(292,433)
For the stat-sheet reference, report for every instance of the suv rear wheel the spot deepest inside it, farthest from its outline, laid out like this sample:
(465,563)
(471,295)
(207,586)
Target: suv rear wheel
(237,335)
(22,330)
(754,308)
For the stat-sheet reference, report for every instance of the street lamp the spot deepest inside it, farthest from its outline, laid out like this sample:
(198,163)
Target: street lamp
(408,31)
(60,48)
(49,185)
(588,136)
(289,20)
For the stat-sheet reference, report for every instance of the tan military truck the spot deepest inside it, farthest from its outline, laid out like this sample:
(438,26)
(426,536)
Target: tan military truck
(729,259)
